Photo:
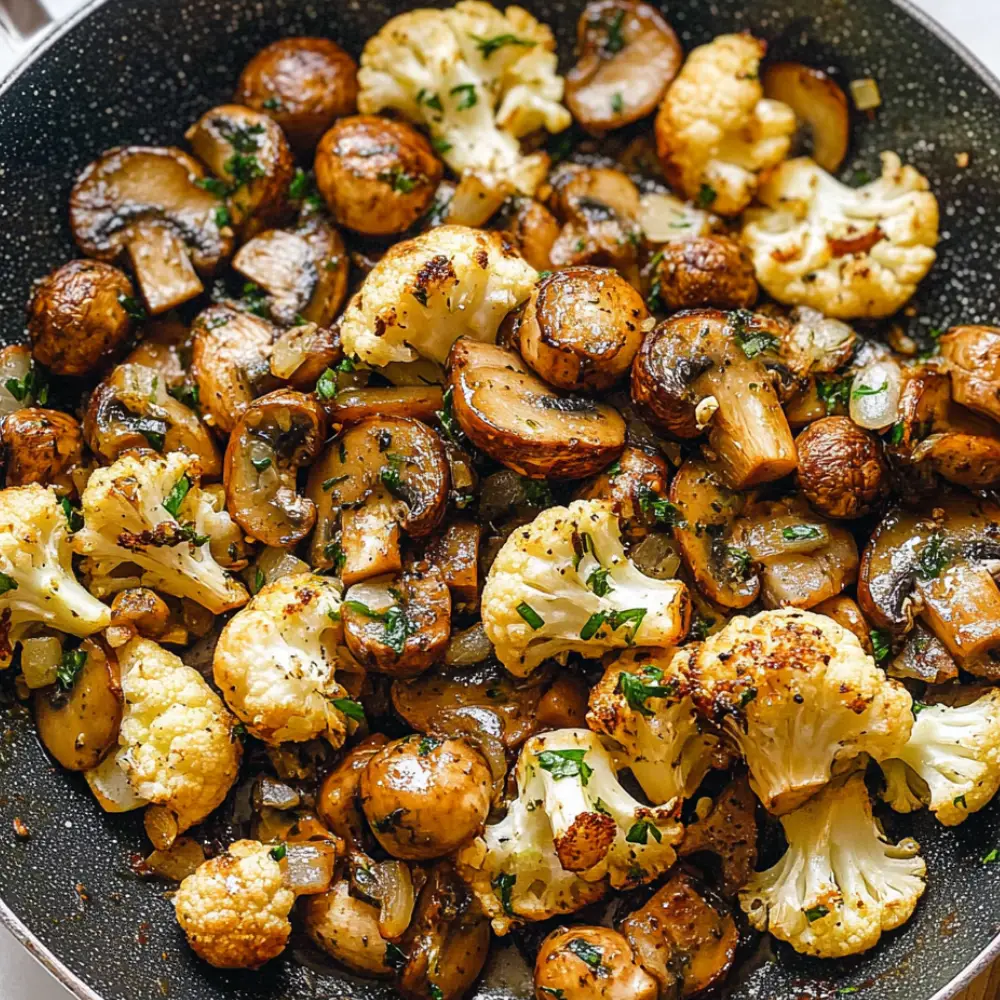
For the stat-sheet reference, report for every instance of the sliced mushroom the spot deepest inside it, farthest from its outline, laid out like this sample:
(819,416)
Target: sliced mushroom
(146,201)
(304,271)
(818,103)
(803,558)
(713,271)
(846,613)
(138,611)
(842,472)
(628,56)
(972,354)
(683,933)
(633,484)
(248,153)
(581,328)
(398,625)
(923,657)
(384,476)
(277,435)
(347,929)
(532,229)
(422,402)
(700,369)
(79,315)
(166,348)
(41,446)
(230,354)
(455,553)
(518,420)
(938,566)
(304,84)
(78,722)
(706,509)
(664,218)
(132,408)
(337,803)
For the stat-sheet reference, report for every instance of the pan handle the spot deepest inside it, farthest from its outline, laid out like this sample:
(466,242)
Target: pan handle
(21,19)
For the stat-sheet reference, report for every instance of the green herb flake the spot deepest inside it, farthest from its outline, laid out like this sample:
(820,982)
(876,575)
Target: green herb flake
(593,625)
(640,831)
(132,307)
(565,764)
(917,707)
(260,464)
(933,558)
(427,745)
(328,484)
(800,532)
(552,991)
(446,417)
(834,393)
(747,696)
(174,499)
(614,40)
(440,145)
(706,196)
(326,385)
(530,615)
(352,709)
(395,957)
(335,553)
(186,393)
(990,857)
(487,46)
(429,100)
(867,390)
(503,884)
(586,952)
(278,852)
(70,668)
(399,180)
(537,492)
(74,519)
(435,991)
(303,189)
(639,688)
(467,96)
(959,800)
(741,560)
(897,433)
(881,644)
(222,217)
(598,582)
(662,511)
(816,912)
(617,103)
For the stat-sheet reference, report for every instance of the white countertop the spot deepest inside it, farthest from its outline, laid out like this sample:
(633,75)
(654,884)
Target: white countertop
(974,22)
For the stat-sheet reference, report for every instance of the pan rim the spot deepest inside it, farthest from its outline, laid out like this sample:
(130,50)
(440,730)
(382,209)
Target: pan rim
(35,50)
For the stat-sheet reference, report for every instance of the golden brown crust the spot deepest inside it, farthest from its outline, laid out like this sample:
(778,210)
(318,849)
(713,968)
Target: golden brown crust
(41,446)
(711,271)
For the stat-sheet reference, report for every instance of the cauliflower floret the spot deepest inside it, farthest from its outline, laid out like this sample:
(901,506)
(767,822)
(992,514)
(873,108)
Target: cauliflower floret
(715,131)
(951,761)
(234,908)
(427,292)
(840,884)
(848,252)
(645,704)
(798,694)
(179,751)
(276,660)
(477,78)
(37,585)
(563,583)
(148,524)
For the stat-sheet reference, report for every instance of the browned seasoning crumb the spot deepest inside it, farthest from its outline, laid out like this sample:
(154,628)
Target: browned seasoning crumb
(21,830)
(961,160)
(81,891)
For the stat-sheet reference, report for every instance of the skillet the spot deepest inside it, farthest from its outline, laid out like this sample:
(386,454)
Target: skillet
(140,71)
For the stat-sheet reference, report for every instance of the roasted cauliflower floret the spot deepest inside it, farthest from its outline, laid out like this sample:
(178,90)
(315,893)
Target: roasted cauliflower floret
(563,583)
(715,131)
(37,585)
(951,761)
(840,884)
(275,662)
(477,78)
(799,695)
(645,704)
(848,252)
(427,292)
(178,749)
(147,523)
(234,908)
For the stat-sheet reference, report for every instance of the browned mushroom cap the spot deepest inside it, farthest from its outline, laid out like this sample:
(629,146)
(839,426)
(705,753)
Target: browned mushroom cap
(938,566)
(818,103)
(803,558)
(166,348)
(248,153)
(517,419)
(399,625)
(972,354)
(585,963)
(278,434)
(683,929)
(447,942)
(532,229)
(628,56)
(704,509)
(633,484)
(700,369)
(846,613)
(337,803)
(455,554)
(705,271)
(132,408)
(304,84)
(386,474)
(146,201)
(421,402)
(923,657)
(378,176)
(79,315)
(230,353)
(41,446)
(303,271)
(841,469)
(581,328)
(598,208)
(79,724)
(139,611)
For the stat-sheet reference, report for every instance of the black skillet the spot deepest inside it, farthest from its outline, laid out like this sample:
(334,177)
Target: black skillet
(128,71)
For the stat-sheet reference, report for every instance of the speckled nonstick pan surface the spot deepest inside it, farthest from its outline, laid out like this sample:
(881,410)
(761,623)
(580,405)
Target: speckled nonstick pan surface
(124,72)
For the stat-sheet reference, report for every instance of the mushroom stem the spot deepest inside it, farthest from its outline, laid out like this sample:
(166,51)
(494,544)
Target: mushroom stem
(162,266)
(370,543)
(962,608)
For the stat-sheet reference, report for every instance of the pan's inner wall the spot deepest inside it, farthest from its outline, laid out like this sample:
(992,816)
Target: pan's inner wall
(141,72)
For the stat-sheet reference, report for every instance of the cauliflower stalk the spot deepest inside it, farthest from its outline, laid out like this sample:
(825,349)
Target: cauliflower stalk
(427,292)
(275,662)
(477,78)
(799,695)
(563,583)
(234,908)
(148,524)
(178,749)
(716,133)
(848,252)
(643,702)
(37,585)
(951,760)
(840,884)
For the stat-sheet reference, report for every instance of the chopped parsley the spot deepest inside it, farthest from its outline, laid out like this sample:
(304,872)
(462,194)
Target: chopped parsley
(335,553)
(959,800)
(530,615)
(254,300)
(440,145)
(260,464)
(430,100)
(897,433)
(467,96)
(328,484)
(537,492)
(186,393)
(615,620)
(428,744)
(326,385)
(395,957)
(640,832)
(303,188)
(662,511)
(176,496)
(390,475)
(614,40)
(487,46)
(638,688)
(747,696)
(617,103)
(278,852)
(32,384)
(399,180)
(990,857)
(74,519)
(565,764)
(598,582)
(69,670)
(706,196)
(867,390)
(435,991)
(504,884)
(271,104)
(552,991)
(834,393)
(586,952)
(933,557)
(352,709)
(741,560)
(131,306)
(446,417)
(752,342)
(258,580)
(881,644)
(815,912)
(800,532)
(917,707)
(397,627)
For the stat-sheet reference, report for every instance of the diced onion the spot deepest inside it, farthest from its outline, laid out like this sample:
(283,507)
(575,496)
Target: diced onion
(468,647)
(865,94)
(665,219)
(484,729)
(476,199)
(875,395)
(277,563)
(275,794)
(423,371)
(180,860)
(309,867)
(40,659)
(15,363)
(111,788)
(291,348)
(394,891)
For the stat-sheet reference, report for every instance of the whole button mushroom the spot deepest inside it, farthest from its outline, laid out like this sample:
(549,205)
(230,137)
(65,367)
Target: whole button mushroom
(706,271)
(424,796)
(40,446)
